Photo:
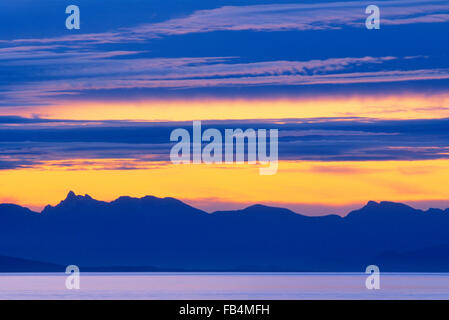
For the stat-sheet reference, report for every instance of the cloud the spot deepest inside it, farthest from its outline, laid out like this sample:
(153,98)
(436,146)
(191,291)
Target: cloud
(282,17)
(144,60)
(90,73)
(127,145)
(265,18)
(85,38)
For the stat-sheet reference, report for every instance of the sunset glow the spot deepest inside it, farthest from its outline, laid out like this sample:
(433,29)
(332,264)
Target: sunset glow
(313,183)
(404,106)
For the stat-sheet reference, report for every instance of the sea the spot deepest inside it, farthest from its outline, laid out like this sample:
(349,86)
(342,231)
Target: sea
(223,286)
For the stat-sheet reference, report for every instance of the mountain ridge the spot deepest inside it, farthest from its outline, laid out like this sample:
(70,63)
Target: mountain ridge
(167,233)
(72,198)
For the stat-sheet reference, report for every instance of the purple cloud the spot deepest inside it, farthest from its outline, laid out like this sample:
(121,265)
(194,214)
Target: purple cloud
(183,73)
(269,17)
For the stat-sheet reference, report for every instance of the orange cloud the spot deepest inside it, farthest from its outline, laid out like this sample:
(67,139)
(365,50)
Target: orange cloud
(404,106)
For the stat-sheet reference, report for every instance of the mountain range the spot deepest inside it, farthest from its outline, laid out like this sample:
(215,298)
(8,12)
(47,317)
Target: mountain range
(165,234)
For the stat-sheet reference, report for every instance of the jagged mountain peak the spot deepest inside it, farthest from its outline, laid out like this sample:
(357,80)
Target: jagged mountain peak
(386,204)
(72,201)
(79,205)
(71,196)
(384,209)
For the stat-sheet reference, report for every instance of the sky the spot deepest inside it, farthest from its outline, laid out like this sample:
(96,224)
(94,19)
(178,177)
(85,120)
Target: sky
(362,114)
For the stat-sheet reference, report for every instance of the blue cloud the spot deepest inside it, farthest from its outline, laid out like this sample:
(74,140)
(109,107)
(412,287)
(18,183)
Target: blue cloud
(325,140)
(174,48)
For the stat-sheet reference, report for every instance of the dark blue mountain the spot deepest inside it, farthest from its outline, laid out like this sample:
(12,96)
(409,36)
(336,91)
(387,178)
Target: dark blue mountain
(152,234)
(10,264)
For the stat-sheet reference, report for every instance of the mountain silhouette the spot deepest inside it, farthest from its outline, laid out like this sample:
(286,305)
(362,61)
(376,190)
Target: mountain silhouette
(165,234)
(11,264)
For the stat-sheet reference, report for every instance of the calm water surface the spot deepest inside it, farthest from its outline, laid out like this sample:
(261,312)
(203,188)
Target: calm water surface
(224,286)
